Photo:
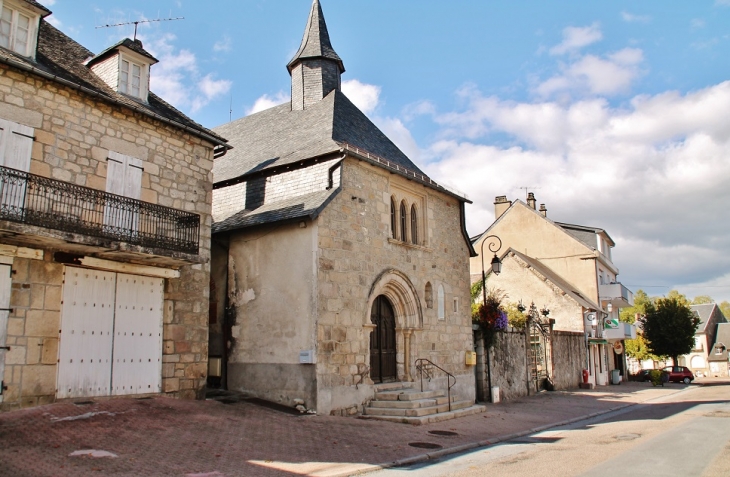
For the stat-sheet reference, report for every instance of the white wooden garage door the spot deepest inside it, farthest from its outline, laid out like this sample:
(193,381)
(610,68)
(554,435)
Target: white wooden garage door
(111,334)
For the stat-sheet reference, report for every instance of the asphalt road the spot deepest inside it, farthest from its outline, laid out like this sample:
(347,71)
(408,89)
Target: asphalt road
(687,434)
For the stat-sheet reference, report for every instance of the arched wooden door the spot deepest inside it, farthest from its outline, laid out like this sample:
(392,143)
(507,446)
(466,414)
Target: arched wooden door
(382,341)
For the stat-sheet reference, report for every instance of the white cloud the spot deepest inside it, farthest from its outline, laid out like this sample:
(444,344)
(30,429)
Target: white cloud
(54,21)
(654,173)
(575,38)
(266,101)
(177,77)
(593,75)
(697,23)
(631,18)
(364,96)
(48,3)
(225,44)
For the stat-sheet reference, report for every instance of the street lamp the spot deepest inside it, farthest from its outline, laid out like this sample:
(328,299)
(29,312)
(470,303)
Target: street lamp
(496,268)
(496,262)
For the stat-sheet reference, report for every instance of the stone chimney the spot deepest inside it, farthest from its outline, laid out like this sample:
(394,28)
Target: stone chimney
(543,210)
(501,204)
(531,200)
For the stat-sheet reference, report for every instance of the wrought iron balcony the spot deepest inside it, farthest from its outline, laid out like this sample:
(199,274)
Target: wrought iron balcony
(40,201)
(615,293)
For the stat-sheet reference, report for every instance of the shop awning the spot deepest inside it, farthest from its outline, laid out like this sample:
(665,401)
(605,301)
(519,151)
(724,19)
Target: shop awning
(597,341)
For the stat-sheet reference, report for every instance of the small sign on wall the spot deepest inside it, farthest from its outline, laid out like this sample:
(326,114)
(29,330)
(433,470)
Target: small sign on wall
(470,358)
(306,356)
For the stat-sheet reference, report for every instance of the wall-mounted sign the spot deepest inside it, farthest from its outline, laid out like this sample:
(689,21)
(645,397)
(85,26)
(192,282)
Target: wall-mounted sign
(618,347)
(610,323)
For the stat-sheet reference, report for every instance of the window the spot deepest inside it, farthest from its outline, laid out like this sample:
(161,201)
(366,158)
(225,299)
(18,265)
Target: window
(414,225)
(429,295)
(456,305)
(130,79)
(16,143)
(15,31)
(123,177)
(393,220)
(403,222)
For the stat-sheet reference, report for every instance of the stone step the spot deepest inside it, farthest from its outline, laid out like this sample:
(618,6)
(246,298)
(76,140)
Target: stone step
(394,385)
(467,410)
(406,395)
(407,404)
(420,410)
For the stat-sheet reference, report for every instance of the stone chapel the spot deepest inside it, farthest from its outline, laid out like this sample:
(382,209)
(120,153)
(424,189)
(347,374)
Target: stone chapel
(336,262)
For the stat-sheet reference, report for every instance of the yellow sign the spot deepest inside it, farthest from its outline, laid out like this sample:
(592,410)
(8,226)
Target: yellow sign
(471,358)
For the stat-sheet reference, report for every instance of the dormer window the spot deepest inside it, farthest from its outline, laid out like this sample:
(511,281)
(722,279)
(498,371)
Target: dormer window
(130,79)
(18,29)
(125,67)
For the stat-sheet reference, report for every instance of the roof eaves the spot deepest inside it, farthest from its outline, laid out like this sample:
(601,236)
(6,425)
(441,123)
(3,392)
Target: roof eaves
(365,156)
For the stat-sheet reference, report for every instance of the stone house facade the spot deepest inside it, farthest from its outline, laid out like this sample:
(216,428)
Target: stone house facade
(106,197)
(336,262)
(565,268)
(705,337)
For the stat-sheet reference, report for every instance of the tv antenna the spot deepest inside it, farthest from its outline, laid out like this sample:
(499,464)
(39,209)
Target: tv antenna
(138,22)
(530,188)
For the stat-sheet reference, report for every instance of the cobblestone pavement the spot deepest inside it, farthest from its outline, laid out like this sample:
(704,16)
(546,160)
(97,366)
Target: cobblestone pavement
(168,437)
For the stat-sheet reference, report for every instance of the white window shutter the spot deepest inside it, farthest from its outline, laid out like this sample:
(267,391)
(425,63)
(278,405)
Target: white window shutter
(133,178)
(16,145)
(115,167)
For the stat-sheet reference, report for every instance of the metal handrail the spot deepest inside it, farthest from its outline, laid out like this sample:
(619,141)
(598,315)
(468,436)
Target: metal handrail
(424,370)
(50,203)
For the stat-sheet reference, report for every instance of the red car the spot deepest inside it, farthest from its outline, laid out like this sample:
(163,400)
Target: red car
(679,374)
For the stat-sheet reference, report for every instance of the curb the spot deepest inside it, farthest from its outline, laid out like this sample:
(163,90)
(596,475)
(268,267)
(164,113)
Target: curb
(416,459)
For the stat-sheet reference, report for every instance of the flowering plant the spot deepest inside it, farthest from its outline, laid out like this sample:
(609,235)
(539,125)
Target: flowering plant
(491,316)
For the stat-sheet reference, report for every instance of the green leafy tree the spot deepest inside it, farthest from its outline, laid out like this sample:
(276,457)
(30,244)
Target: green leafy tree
(516,318)
(702,300)
(476,299)
(674,294)
(639,349)
(669,327)
(725,309)
(628,315)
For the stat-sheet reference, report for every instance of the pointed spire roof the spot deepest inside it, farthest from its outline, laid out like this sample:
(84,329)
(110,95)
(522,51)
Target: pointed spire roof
(316,41)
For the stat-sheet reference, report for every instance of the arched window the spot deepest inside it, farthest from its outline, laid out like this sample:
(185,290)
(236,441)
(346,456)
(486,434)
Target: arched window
(392,218)
(414,225)
(403,222)
(429,295)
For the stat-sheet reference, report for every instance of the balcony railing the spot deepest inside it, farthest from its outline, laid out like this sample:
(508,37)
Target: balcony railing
(35,200)
(616,294)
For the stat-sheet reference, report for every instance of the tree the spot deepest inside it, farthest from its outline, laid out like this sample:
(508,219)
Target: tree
(725,309)
(638,349)
(702,300)
(678,296)
(628,315)
(669,327)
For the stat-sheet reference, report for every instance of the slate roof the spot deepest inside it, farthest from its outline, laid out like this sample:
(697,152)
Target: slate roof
(316,41)
(722,337)
(61,59)
(705,312)
(279,136)
(582,233)
(134,45)
(556,279)
(308,205)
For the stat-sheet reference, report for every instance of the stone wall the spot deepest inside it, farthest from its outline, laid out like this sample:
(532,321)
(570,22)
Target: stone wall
(509,366)
(73,136)
(358,260)
(569,359)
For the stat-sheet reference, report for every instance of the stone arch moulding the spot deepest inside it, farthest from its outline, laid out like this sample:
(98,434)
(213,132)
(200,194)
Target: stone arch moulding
(402,295)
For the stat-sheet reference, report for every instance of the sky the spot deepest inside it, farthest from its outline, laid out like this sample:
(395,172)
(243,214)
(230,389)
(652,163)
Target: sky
(615,114)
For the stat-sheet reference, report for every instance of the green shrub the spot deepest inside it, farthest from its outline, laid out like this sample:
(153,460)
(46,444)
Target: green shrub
(655,375)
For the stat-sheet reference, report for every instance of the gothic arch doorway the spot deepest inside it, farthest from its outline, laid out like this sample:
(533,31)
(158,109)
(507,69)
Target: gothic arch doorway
(382,341)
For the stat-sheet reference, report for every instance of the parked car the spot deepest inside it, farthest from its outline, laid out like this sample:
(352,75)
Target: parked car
(679,374)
